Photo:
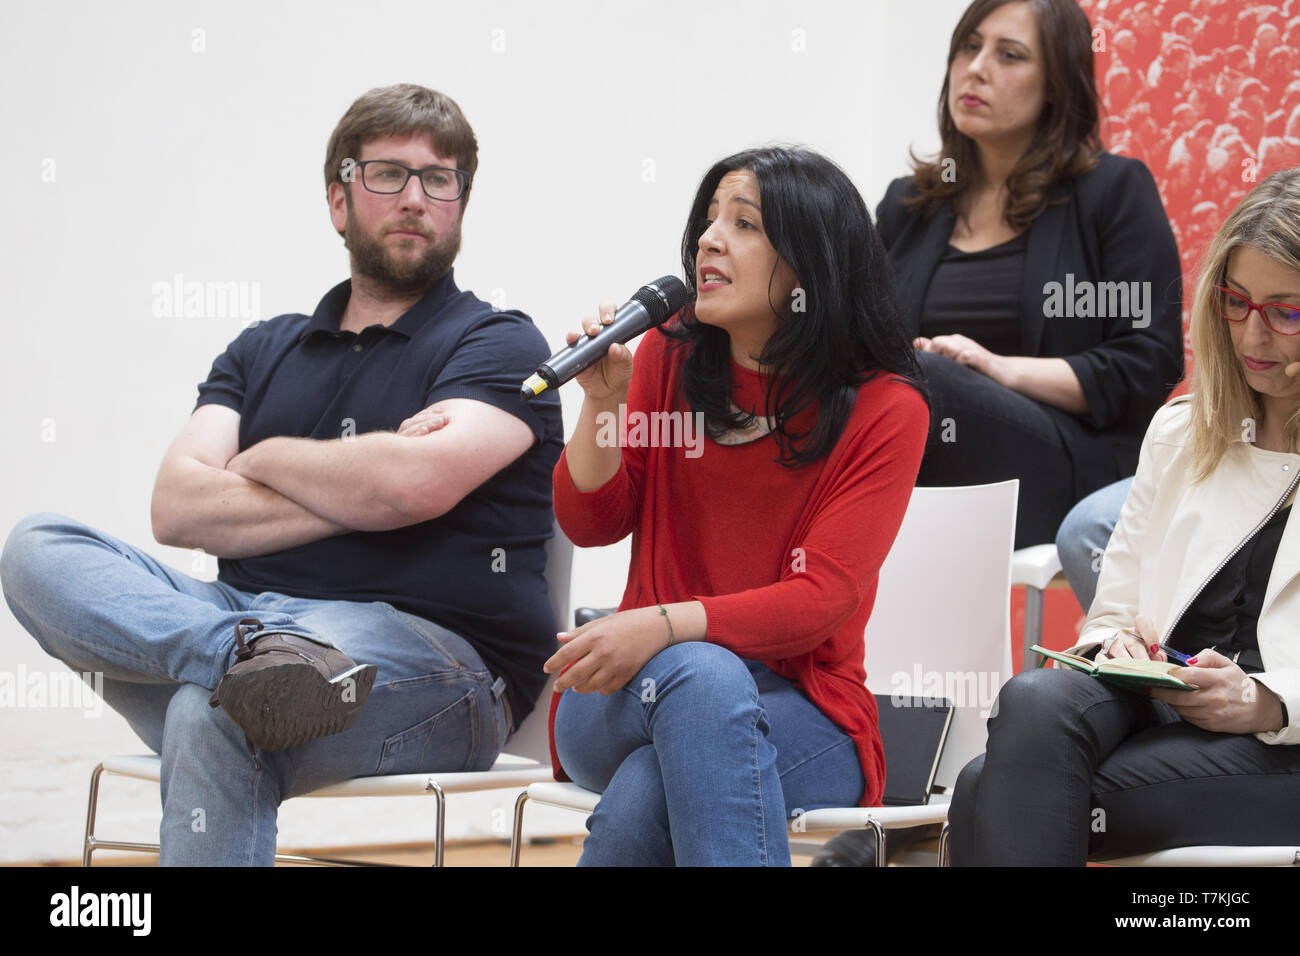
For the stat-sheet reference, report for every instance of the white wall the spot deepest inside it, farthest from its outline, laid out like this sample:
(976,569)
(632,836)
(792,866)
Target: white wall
(132,156)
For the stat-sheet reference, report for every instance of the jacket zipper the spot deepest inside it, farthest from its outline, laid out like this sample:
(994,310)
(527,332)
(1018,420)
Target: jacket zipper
(1290,488)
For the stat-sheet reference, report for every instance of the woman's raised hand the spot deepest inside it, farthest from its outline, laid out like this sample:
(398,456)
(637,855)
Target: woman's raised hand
(609,377)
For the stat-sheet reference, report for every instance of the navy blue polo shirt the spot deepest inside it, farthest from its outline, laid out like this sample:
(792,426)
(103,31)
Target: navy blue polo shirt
(299,376)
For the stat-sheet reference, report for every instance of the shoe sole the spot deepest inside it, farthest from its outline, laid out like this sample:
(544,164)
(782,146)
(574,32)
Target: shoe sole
(287,705)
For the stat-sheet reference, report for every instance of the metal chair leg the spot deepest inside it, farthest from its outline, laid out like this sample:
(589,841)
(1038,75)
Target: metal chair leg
(93,843)
(516,835)
(440,819)
(1033,633)
(944,859)
(88,847)
(881,856)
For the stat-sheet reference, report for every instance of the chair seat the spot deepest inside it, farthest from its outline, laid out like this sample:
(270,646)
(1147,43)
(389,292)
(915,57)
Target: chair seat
(570,796)
(508,771)
(890,818)
(567,795)
(1035,566)
(1213,856)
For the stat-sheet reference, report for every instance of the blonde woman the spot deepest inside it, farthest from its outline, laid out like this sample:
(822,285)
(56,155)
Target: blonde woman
(1202,562)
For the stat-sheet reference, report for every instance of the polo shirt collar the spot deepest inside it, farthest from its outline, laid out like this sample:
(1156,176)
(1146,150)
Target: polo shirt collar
(329,312)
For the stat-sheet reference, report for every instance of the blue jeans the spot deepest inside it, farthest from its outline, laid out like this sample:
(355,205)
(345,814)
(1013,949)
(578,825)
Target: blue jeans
(1083,536)
(163,640)
(700,760)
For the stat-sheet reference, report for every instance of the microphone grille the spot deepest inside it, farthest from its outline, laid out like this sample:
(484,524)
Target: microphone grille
(664,297)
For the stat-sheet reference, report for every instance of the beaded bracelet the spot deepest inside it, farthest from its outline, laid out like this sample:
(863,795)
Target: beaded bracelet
(671,636)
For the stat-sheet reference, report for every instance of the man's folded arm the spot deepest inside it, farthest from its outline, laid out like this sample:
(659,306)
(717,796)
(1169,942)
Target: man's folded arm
(378,481)
(198,503)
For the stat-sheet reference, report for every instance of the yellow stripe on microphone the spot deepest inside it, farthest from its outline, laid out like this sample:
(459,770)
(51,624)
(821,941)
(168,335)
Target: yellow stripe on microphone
(535,384)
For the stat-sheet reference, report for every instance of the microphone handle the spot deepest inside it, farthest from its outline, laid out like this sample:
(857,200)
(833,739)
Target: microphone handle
(631,320)
(650,305)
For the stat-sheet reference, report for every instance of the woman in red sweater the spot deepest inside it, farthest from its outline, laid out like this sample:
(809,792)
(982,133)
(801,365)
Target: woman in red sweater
(761,454)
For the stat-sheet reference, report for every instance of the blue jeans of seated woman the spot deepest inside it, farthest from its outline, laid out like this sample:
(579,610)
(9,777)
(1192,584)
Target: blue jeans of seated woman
(1083,536)
(700,761)
(162,640)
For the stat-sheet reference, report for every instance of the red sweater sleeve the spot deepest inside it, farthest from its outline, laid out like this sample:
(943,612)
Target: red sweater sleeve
(608,514)
(844,541)
(592,519)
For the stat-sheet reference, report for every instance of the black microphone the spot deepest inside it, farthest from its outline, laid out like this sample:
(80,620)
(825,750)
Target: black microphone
(650,305)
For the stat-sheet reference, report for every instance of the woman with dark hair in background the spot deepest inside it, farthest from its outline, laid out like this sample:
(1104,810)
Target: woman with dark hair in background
(1203,563)
(1037,277)
(728,691)
(1037,274)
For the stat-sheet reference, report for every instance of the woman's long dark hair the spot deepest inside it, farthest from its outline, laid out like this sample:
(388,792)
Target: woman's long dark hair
(1067,141)
(849,329)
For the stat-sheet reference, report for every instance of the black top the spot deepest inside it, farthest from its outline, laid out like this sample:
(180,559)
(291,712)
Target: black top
(1104,227)
(977,294)
(1223,616)
(299,376)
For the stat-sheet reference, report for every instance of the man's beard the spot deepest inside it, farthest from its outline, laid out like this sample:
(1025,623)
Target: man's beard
(401,275)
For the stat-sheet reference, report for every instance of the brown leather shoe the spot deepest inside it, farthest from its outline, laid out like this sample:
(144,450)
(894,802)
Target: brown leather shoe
(284,690)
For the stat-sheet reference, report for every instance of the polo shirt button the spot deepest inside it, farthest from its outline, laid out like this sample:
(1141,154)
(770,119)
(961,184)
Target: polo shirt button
(356,348)
(1284,467)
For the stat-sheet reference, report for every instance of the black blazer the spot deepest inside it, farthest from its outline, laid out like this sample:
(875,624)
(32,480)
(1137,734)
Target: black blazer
(1112,228)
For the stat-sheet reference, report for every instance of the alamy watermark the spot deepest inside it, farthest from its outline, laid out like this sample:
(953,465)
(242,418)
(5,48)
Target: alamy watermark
(961,688)
(75,908)
(1098,300)
(53,689)
(651,430)
(181,299)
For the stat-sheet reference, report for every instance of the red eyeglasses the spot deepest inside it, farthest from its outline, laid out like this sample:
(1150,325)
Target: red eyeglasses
(1281,318)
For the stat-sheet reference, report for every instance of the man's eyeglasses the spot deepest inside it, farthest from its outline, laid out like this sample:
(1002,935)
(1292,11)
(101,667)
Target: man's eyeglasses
(1281,318)
(387,177)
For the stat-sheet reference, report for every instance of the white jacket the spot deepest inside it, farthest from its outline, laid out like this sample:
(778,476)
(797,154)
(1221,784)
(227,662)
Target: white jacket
(1173,536)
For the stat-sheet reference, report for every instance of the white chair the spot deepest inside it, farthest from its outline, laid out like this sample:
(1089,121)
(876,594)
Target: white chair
(528,759)
(940,628)
(1188,856)
(1185,856)
(1213,856)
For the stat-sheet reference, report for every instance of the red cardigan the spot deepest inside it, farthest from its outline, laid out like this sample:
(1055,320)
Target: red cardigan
(785,561)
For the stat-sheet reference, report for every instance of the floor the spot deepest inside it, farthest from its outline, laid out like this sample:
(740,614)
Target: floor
(557,852)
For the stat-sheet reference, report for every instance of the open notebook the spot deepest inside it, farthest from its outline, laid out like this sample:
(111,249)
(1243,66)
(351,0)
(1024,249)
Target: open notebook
(1124,671)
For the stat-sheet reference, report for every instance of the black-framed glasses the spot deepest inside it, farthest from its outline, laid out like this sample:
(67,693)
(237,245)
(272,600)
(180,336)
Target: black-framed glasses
(1282,318)
(387,177)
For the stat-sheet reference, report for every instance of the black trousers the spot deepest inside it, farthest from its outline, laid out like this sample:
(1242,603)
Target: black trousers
(982,432)
(1076,767)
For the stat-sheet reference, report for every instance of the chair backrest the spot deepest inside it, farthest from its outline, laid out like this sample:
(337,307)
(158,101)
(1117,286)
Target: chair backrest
(532,739)
(941,625)
(559,575)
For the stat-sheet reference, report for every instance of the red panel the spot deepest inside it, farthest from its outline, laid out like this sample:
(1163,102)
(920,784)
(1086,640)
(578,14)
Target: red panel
(1207,94)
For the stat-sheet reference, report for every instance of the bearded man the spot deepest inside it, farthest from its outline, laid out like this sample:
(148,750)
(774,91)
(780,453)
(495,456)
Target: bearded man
(379,497)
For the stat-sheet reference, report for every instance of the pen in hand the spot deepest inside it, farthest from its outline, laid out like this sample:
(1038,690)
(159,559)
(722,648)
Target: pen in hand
(1177,657)
(1171,654)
